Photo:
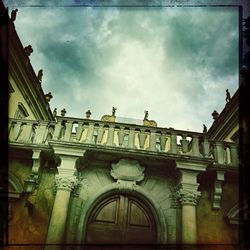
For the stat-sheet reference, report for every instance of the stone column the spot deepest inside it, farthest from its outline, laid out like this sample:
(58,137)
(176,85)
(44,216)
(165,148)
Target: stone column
(65,181)
(188,200)
(188,196)
(60,209)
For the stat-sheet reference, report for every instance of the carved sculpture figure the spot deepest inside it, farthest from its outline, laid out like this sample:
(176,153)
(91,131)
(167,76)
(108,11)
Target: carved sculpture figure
(48,97)
(215,115)
(13,15)
(88,114)
(28,50)
(55,112)
(204,128)
(146,115)
(228,96)
(40,75)
(63,112)
(113,111)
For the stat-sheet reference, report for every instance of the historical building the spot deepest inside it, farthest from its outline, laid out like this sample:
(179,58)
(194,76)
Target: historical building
(83,181)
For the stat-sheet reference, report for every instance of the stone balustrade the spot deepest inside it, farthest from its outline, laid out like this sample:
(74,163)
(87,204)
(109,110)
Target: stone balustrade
(120,135)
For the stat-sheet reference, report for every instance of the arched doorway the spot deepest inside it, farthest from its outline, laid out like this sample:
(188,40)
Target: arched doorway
(121,219)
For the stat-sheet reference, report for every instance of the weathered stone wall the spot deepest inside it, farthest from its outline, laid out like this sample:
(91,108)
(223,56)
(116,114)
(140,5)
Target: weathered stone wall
(212,225)
(30,227)
(96,178)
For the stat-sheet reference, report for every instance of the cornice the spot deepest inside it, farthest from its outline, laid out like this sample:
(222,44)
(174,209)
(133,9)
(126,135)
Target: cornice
(227,120)
(29,79)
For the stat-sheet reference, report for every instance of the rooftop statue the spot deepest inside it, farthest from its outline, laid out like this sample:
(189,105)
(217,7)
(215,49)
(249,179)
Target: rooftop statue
(63,112)
(55,112)
(13,15)
(40,75)
(88,114)
(146,115)
(48,97)
(113,111)
(228,96)
(204,128)
(215,115)
(28,50)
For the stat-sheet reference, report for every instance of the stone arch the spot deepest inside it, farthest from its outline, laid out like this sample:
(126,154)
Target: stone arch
(15,187)
(116,188)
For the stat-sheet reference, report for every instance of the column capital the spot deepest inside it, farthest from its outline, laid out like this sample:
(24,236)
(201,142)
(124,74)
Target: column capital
(66,183)
(188,197)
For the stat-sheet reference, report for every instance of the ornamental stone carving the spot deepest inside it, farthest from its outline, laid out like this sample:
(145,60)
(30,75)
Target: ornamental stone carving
(188,197)
(66,183)
(127,170)
(174,200)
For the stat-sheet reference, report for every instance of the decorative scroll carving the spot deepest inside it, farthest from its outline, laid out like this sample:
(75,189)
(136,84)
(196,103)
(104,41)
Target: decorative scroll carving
(126,185)
(128,170)
(65,183)
(218,189)
(108,118)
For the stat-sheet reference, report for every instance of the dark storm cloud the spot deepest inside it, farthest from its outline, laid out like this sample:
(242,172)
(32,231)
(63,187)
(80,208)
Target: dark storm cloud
(175,62)
(200,37)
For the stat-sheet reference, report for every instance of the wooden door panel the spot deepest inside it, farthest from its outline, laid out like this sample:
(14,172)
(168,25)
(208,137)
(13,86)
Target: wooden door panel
(137,216)
(108,213)
(121,220)
(103,236)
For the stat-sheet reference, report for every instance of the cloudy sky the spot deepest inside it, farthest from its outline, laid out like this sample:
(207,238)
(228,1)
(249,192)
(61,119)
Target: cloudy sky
(174,62)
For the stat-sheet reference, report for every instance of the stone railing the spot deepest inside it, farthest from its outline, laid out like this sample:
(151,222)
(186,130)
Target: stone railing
(127,136)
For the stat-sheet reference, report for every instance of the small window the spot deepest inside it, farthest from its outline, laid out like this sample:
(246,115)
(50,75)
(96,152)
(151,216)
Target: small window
(21,111)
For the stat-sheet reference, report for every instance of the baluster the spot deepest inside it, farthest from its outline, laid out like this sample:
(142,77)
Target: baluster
(41,132)
(11,130)
(79,131)
(100,134)
(68,130)
(142,139)
(184,144)
(121,134)
(10,126)
(17,130)
(228,159)
(163,140)
(152,141)
(110,140)
(89,133)
(173,142)
(26,133)
(131,139)
(57,131)
(234,155)
(206,147)
(195,146)
(220,152)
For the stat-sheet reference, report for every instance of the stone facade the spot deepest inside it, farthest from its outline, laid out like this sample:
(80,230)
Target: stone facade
(188,186)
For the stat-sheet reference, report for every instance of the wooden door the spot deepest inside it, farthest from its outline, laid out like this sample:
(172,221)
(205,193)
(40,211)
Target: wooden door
(121,219)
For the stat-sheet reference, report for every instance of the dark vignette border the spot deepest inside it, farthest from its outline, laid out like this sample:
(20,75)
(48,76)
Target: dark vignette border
(244,91)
